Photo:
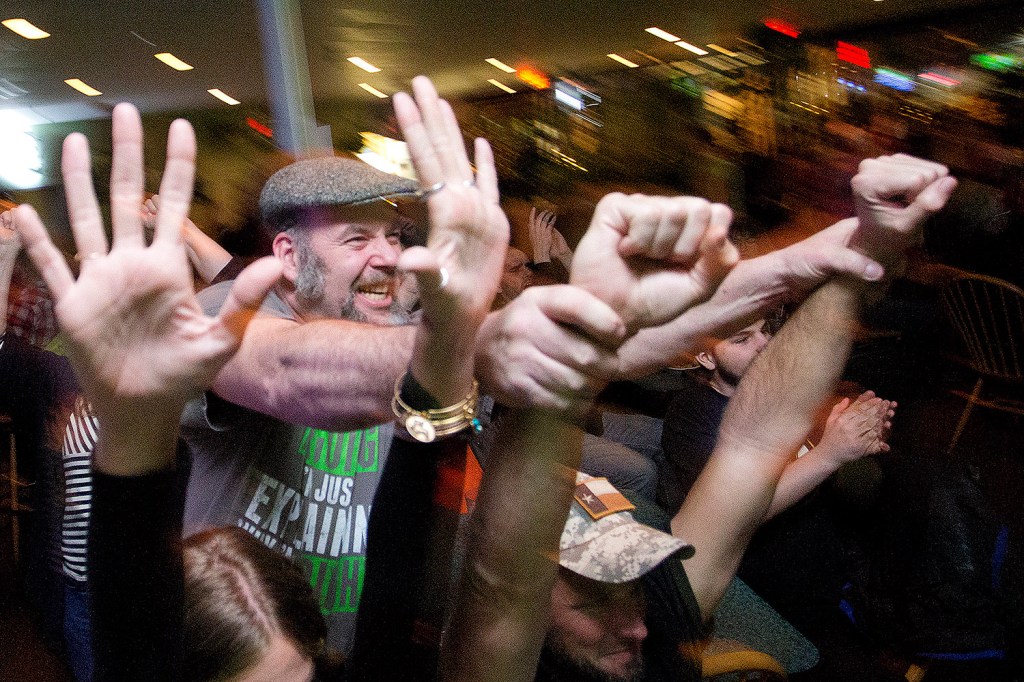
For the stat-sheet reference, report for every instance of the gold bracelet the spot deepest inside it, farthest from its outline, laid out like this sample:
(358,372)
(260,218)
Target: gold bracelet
(427,426)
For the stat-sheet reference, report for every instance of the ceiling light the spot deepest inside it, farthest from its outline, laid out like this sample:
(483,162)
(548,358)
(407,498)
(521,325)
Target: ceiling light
(25,29)
(500,86)
(372,90)
(664,35)
(623,60)
(363,64)
(80,85)
(692,48)
(500,64)
(719,48)
(219,94)
(172,61)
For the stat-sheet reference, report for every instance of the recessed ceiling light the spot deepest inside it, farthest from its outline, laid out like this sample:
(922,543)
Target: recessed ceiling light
(692,48)
(664,35)
(219,94)
(372,90)
(25,29)
(500,64)
(82,87)
(623,60)
(719,48)
(172,61)
(363,64)
(500,86)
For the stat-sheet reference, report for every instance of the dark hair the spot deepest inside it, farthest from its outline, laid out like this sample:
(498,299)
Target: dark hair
(239,594)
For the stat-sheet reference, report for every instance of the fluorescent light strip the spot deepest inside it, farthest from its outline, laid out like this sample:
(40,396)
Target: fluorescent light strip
(500,65)
(219,94)
(623,60)
(692,48)
(719,48)
(569,100)
(172,61)
(664,35)
(364,65)
(500,86)
(25,29)
(372,90)
(82,87)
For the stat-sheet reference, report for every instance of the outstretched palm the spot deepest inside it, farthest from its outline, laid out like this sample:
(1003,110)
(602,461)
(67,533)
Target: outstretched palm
(135,329)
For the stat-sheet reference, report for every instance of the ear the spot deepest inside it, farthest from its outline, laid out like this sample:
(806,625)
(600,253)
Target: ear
(284,250)
(706,361)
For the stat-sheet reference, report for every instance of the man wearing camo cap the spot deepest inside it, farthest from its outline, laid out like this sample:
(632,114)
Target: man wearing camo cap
(616,602)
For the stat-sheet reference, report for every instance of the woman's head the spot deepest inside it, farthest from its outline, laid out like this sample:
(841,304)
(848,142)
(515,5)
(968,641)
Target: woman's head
(249,613)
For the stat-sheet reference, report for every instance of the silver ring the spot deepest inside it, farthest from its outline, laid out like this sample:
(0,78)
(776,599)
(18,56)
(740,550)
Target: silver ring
(444,278)
(469,183)
(433,189)
(89,256)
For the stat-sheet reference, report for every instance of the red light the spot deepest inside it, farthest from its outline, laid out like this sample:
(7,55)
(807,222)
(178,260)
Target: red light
(853,54)
(937,78)
(259,127)
(533,77)
(782,27)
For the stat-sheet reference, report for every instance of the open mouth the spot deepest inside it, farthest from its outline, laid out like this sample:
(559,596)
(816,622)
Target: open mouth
(378,293)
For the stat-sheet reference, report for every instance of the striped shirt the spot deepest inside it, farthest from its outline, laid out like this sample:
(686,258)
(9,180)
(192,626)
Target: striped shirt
(79,442)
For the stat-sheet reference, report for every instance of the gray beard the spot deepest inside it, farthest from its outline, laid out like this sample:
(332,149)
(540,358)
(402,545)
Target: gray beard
(561,665)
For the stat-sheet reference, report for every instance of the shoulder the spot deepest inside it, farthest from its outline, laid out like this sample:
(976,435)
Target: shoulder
(212,298)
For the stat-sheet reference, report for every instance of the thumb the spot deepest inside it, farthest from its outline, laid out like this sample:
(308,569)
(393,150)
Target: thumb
(247,294)
(934,197)
(841,260)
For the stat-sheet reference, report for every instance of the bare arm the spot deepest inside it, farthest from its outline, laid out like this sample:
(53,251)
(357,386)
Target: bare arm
(206,255)
(774,405)
(10,245)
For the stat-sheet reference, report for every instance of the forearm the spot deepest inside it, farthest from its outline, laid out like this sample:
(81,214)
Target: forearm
(765,422)
(329,374)
(6,273)
(206,255)
(501,616)
(800,477)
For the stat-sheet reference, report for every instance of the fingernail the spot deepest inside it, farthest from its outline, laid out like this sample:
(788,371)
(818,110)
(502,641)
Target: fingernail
(873,272)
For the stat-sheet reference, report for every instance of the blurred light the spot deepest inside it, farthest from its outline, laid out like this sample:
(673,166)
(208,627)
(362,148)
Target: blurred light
(219,94)
(933,77)
(853,54)
(894,79)
(20,161)
(692,48)
(719,48)
(25,29)
(372,90)
(533,78)
(363,64)
(82,87)
(568,100)
(172,61)
(782,27)
(501,86)
(259,127)
(664,35)
(994,62)
(623,60)
(500,64)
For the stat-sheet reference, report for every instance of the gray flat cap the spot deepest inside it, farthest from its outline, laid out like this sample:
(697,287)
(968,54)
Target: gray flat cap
(327,181)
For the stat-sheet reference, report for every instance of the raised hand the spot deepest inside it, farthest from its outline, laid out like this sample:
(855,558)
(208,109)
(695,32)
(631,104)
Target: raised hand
(10,241)
(137,336)
(459,269)
(894,195)
(548,243)
(651,258)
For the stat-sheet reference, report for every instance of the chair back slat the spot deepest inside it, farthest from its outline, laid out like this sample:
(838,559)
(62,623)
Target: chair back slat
(988,316)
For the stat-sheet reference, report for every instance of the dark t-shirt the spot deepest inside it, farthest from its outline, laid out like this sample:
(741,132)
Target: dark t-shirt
(687,439)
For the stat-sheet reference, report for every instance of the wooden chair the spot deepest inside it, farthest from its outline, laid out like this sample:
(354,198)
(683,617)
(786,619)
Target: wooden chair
(988,316)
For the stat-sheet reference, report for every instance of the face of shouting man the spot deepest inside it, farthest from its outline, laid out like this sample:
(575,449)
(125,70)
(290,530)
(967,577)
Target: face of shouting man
(597,629)
(341,263)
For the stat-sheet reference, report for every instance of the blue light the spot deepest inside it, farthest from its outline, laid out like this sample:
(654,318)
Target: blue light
(894,80)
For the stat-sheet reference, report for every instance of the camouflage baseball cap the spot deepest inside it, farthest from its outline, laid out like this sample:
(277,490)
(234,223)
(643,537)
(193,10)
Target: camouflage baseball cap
(602,541)
(328,181)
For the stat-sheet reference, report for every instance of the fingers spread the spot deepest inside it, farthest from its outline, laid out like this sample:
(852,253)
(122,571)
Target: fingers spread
(83,208)
(48,260)
(421,151)
(176,184)
(127,176)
